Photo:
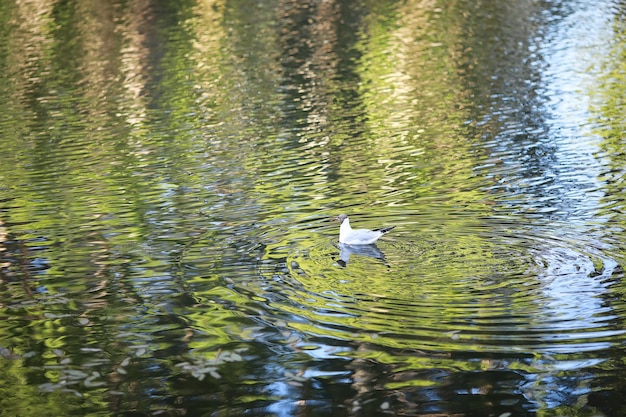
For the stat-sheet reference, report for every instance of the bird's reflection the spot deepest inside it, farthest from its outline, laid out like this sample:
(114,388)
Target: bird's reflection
(371,251)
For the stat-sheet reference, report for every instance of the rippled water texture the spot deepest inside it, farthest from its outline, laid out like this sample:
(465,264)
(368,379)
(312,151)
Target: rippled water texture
(170,172)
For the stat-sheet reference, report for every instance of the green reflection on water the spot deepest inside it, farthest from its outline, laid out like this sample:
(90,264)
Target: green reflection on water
(608,102)
(170,170)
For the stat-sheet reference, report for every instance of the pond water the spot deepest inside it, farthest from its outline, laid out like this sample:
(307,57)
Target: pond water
(171,169)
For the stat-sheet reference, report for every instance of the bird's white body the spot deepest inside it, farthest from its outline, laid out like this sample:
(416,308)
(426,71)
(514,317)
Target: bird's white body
(350,236)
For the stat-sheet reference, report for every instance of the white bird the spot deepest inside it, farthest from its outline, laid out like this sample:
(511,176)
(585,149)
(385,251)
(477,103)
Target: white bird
(349,236)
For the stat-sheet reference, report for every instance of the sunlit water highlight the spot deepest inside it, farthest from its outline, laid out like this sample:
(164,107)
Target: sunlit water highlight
(166,236)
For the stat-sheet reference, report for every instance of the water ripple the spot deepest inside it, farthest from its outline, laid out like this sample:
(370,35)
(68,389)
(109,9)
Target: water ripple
(507,292)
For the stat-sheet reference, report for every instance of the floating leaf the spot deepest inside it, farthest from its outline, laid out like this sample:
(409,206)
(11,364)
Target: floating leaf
(75,374)
(48,387)
(90,350)
(295,377)
(7,354)
(92,383)
(72,391)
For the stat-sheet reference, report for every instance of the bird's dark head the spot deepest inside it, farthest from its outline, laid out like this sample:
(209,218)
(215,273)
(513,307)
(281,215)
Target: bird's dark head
(341,218)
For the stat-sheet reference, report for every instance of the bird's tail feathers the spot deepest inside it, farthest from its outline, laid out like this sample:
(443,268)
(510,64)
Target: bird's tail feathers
(384,230)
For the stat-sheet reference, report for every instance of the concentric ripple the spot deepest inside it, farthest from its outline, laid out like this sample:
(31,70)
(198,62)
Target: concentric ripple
(497,293)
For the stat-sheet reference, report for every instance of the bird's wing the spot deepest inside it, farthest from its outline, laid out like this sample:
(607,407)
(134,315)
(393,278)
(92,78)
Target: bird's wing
(363,236)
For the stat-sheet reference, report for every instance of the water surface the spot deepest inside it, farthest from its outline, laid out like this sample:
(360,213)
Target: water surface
(171,171)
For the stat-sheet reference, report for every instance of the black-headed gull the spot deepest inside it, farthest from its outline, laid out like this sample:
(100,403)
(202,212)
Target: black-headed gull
(349,236)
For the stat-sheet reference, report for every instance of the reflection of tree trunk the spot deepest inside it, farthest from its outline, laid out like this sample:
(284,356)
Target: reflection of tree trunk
(370,379)
(25,274)
(3,249)
(22,261)
(366,379)
(308,38)
(444,391)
